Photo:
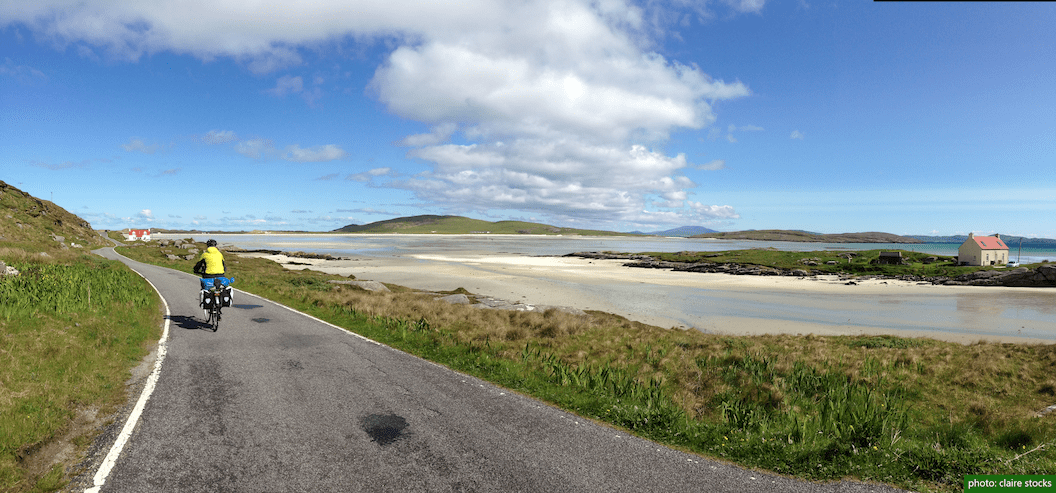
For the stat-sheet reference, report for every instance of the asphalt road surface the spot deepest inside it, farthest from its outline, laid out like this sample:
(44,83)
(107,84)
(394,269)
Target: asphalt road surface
(279,401)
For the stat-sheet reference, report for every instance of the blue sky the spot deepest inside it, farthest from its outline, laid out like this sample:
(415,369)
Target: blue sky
(902,117)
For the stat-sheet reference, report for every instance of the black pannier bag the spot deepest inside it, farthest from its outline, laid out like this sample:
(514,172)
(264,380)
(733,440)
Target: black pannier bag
(207,300)
(225,297)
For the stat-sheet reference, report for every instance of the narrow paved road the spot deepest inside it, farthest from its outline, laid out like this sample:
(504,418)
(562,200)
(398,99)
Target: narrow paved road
(279,401)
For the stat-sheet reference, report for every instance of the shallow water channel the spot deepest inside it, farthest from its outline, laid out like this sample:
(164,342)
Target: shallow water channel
(964,313)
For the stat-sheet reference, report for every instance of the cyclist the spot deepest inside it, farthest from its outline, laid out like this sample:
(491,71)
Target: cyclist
(211,263)
(210,266)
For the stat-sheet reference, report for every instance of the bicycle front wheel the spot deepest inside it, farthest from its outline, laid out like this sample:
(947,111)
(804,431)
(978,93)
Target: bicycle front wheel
(214,316)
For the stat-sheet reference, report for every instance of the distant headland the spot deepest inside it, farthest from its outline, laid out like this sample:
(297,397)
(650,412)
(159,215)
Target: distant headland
(787,235)
(437,224)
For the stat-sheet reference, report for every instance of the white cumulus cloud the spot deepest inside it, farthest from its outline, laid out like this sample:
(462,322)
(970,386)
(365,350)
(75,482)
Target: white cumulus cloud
(563,110)
(287,84)
(260,148)
(136,144)
(255,148)
(219,137)
(714,164)
(559,106)
(369,175)
(328,152)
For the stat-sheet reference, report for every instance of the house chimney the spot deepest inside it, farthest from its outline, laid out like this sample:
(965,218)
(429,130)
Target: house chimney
(997,235)
(971,235)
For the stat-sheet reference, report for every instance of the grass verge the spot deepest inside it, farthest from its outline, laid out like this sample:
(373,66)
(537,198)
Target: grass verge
(72,325)
(915,413)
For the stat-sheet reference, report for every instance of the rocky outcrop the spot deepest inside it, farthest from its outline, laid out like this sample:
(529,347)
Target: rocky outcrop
(647,262)
(1043,276)
(609,256)
(456,299)
(305,255)
(489,303)
(367,285)
(735,269)
(7,270)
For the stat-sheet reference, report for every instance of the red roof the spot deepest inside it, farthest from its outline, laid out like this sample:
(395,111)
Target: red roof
(990,243)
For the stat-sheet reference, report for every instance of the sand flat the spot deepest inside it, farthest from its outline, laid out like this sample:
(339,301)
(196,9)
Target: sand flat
(716,303)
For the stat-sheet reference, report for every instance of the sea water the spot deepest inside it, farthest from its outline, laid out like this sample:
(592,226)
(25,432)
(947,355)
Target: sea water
(981,312)
(396,244)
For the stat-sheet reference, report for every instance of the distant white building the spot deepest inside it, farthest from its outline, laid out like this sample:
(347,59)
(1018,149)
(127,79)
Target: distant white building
(983,250)
(138,234)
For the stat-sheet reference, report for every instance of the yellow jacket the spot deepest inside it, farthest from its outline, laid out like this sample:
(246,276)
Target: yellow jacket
(214,261)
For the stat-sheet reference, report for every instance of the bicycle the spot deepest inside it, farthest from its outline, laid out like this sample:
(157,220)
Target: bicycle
(215,295)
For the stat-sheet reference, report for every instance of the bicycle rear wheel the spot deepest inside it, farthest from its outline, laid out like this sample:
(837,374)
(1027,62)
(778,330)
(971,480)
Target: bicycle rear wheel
(214,313)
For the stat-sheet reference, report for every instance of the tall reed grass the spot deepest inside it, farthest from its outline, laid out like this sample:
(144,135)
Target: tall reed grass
(71,327)
(67,288)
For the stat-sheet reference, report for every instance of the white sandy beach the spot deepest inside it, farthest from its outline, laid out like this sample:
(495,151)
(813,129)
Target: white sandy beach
(653,296)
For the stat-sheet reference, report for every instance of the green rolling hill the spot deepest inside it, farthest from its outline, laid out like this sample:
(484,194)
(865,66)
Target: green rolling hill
(429,224)
(39,225)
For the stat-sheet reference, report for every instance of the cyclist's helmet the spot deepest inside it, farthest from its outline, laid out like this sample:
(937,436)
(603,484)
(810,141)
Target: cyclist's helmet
(210,243)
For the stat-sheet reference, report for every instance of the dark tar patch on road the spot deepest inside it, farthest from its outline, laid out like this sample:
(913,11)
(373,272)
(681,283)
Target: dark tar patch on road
(292,365)
(384,429)
(261,320)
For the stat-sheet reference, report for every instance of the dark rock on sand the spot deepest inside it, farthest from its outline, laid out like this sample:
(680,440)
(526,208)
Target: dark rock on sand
(1043,276)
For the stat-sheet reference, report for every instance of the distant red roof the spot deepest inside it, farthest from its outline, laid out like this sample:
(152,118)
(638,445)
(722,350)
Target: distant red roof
(990,243)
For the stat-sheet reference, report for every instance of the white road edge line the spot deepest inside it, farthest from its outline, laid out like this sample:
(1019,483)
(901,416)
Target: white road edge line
(133,418)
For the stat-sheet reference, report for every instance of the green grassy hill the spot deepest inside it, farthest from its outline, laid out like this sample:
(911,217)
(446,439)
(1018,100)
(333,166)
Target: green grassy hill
(72,326)
(463,225)
(40,225)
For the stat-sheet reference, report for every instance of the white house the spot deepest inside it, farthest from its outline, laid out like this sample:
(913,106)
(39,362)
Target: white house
(983,250)
(138,234)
